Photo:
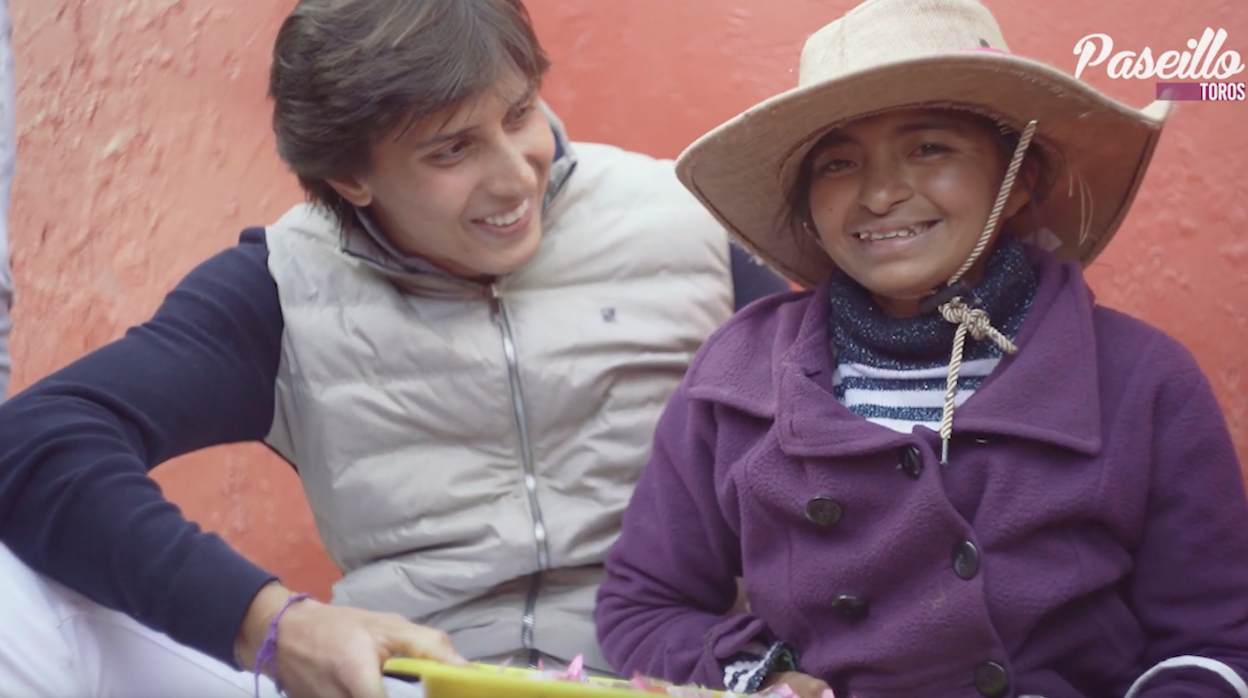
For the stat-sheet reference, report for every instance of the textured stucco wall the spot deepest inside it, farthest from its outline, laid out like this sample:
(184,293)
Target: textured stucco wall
(144,147)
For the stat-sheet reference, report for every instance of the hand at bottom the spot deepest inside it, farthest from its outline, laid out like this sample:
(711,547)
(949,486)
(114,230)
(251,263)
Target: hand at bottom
(804,685)
(333,651)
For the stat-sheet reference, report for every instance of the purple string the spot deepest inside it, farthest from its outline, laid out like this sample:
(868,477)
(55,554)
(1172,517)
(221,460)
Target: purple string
(268,650)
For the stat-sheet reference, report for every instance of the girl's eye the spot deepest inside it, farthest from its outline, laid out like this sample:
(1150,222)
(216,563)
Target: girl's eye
(931,149)
(836,165)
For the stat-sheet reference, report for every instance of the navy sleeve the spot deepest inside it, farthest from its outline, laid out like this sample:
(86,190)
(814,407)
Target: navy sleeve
(76,502)
(751,280)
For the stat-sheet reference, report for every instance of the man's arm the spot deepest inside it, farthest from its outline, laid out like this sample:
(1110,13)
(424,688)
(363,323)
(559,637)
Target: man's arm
(752,280)
(76,501)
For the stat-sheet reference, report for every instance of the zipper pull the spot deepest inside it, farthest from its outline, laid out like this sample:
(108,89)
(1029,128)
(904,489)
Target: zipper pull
(496,304)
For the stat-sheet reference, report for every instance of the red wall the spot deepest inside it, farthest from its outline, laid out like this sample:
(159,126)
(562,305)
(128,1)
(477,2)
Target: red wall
(144,147)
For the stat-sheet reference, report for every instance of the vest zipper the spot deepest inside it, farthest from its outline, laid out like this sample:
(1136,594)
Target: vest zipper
(499,313)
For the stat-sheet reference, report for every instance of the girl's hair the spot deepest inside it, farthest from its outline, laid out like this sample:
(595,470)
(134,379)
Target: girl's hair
(798,217)
(346,73)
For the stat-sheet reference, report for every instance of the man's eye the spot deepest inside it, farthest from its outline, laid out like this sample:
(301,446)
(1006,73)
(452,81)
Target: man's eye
(520,114)
(451,151)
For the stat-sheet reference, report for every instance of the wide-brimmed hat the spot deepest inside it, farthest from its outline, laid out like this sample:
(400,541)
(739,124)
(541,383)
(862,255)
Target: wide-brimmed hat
(890,54)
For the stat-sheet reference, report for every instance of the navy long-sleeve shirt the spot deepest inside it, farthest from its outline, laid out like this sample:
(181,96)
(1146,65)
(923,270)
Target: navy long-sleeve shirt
(76,502)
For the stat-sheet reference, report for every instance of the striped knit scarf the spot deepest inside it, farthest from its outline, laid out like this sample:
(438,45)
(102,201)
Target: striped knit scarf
(892,371)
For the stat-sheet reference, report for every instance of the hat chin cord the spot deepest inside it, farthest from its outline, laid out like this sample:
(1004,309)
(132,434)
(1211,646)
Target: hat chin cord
(973,321)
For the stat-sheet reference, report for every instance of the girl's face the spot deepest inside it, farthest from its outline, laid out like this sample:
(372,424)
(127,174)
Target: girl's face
(900,199)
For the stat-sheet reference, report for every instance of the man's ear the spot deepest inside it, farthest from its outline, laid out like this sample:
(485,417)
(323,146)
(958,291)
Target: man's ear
(356,192)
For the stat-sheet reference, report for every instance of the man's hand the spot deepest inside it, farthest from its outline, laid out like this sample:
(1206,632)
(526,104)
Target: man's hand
(333,651)
(804,685)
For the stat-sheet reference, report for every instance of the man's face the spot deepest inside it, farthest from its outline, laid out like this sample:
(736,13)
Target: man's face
(464,189)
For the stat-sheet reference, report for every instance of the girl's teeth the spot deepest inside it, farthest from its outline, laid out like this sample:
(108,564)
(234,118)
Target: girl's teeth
(907,233)
(508,218)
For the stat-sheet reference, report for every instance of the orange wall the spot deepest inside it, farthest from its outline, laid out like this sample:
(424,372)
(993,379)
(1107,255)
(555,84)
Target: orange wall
(144,147)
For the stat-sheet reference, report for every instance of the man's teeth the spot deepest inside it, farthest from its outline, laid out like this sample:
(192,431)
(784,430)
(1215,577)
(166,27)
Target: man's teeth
(903,233)
(509,218)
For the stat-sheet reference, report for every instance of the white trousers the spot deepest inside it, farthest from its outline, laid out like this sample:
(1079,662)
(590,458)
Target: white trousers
(54,643)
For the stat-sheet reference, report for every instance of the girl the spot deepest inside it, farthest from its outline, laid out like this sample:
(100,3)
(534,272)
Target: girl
(944,471)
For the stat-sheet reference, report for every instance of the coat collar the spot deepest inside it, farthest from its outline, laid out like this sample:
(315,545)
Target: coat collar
(1049,391)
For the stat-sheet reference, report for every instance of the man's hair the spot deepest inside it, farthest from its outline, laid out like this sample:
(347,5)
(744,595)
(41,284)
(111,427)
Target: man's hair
(349,72)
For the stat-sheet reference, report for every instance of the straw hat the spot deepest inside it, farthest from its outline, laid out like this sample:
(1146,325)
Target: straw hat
(889,54)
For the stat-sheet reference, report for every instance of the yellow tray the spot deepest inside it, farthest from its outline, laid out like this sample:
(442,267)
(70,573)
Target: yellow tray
(488,681)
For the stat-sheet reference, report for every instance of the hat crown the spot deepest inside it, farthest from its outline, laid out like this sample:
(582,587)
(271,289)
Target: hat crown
(880,32)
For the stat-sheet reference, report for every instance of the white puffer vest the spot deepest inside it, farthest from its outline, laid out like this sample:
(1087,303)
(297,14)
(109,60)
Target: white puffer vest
(468,452)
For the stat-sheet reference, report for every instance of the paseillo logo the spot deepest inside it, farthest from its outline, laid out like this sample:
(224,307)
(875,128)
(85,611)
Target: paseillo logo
(1203,61)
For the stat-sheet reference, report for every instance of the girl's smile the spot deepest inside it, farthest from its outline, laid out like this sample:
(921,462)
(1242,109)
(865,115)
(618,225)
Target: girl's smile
(892,240)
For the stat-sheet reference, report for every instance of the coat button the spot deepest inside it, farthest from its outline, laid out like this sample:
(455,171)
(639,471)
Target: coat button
(966,559)
(991,680)
(911,462)
(823,511)
(850,608)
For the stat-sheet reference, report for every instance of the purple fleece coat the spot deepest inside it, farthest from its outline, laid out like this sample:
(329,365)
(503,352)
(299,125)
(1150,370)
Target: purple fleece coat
(1092,473)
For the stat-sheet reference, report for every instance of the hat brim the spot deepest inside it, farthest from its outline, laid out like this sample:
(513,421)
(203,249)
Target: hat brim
(743,170)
